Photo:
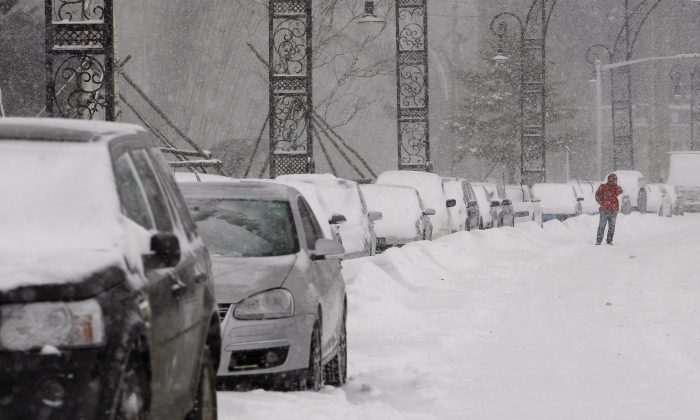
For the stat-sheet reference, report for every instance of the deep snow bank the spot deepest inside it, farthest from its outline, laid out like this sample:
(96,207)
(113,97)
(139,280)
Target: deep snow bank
(517,323)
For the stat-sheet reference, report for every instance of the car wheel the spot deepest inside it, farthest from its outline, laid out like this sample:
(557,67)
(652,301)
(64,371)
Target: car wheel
(131,403)
(205,404)
(314,373)
(336,371)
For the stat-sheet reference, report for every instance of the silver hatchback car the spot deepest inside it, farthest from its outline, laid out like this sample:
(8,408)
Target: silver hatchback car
(278,284)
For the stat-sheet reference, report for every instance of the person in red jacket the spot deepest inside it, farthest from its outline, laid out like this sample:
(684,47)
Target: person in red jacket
(606,196)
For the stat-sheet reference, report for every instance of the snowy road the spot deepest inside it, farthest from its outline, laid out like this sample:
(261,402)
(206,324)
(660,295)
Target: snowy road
(517,323)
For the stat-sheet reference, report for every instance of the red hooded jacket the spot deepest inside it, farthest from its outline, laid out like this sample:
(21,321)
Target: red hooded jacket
(607,194)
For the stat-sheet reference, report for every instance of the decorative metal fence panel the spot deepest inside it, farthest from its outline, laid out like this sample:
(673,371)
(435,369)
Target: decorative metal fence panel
(291,104)
(79,49)
(412,85)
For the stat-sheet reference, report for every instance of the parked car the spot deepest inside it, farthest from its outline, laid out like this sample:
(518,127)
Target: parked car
(634,194)
(658,200)
(106,296)
(587,190)
(472,206)
(458,214)
(526,207)
(558,201)
(503,206)
(279,286)
(430,188)
(684,172)
(677,201)
(342,197)
(488,210)
(405,218)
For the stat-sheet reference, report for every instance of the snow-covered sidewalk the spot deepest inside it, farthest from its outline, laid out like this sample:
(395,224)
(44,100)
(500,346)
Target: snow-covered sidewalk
(523,323)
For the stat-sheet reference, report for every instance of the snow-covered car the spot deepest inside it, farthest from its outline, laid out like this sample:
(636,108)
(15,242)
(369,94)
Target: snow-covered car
(278,284)
(526,207)
(472,206)
(558,201)
(633,191)
(458,214)
(587,190)
(499,201)
(488,210)
(343,197)
(684,172)
(182,177)
(676,199)
(430,188)
(106,292)
(404,220)
(658,200)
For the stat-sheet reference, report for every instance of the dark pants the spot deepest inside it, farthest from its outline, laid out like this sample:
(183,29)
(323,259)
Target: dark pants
(606,217)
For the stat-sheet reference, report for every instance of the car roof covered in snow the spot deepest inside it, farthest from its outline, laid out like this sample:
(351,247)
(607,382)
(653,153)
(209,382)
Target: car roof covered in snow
(56,129)
(239,190)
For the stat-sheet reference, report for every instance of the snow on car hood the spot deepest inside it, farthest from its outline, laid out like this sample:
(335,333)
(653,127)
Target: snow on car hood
(21,269)
(238,278)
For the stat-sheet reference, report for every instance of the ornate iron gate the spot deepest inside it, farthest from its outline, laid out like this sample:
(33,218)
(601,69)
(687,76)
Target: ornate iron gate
(412,85)
(79,48)
(291,100)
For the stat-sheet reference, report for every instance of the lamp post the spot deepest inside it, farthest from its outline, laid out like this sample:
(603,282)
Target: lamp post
(79,48)
(675,75)
(412,93)
(621,79)
(533,95)
(599,68)
(290,87)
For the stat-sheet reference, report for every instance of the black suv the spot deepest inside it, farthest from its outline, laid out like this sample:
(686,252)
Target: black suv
(106,297)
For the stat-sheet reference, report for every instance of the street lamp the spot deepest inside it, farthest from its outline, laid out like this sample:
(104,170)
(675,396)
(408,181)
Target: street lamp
(533,96)
(412,93)
(675,75)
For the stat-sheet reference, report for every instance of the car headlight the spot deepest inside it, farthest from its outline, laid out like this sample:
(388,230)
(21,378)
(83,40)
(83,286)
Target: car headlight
(60,324)
(272,304)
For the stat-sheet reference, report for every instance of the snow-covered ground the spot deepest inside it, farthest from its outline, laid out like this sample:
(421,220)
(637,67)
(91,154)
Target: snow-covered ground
(522,323)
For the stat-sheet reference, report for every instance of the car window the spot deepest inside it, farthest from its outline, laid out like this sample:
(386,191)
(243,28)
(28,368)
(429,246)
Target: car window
(312,231)
(154,192)
(245,228)
(131,193)
(178,202)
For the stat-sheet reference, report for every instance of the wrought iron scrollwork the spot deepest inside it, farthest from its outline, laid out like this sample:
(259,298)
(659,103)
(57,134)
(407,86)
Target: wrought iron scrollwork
(78,10)
(412,84)
(80,59)
(290,87)
(413,143)
(82,78)
(290,46)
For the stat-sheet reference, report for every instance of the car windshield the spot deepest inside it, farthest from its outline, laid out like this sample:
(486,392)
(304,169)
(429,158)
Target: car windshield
(245,228)
(515,194)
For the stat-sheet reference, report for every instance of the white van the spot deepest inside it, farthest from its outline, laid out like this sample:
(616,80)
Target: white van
(685,174)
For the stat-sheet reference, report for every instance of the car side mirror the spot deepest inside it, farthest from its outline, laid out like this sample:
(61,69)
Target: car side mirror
(579,198)
(506,202)
(337,219)
(451,203)
(472,203)
(495,203)
(327,248)
(165,251)
(374,216)
(429,212)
